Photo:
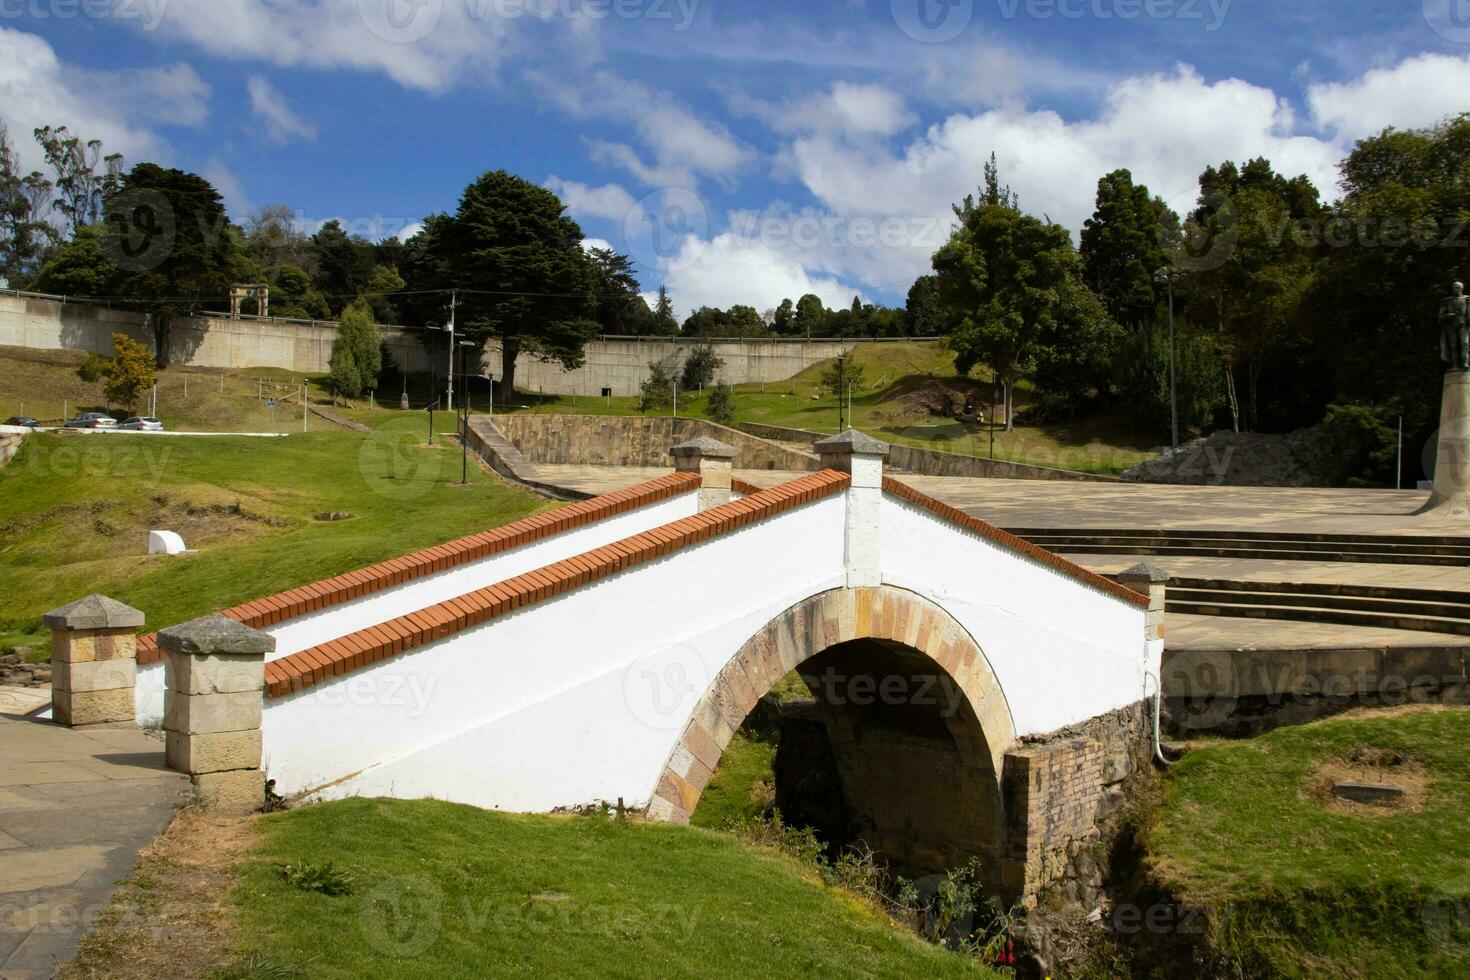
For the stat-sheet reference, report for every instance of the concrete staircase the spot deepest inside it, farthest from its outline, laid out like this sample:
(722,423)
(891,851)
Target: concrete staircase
(1252,545)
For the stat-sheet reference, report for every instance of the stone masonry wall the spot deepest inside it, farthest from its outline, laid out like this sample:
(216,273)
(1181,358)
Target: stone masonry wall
(636,441)
(1061,795)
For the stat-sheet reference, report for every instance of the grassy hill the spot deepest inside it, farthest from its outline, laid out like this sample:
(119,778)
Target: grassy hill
(75,511)
(1296,884)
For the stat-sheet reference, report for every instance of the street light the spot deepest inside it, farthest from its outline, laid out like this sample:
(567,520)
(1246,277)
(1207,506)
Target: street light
(433,375)
(1165,277)
(464,425)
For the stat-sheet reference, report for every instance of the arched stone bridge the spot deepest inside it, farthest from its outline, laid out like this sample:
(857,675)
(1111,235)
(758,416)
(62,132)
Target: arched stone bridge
(982,696)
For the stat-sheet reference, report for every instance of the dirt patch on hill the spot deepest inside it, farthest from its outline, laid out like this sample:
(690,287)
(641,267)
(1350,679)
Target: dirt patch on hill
(1373,767)
(918,399)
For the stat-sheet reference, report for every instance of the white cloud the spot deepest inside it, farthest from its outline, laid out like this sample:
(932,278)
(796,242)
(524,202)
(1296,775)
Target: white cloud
(845,109)
(231,190)
(592,244)
(427,44)
(38,89)
(410,230)
(282,124)
(684,146)
(1416,92)
(731,269)
(610,201)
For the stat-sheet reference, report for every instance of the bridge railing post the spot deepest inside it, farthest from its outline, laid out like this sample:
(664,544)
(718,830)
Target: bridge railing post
(94,662)
(214,676)
(713,461)
(1146,579)
(860,456)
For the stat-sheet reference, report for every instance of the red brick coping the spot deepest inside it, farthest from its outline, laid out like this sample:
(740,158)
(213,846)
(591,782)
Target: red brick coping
(1009,541)
(396,571)
(743,487)
(309,667)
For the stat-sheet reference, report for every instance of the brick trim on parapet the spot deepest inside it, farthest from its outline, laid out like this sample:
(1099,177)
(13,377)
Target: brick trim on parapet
(743,487)
(1012,543)
(395,571)
(309,667)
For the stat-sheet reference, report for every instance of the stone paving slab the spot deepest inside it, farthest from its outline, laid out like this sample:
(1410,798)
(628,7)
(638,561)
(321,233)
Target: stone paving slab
(1449,578)
(23,700)
(76,807)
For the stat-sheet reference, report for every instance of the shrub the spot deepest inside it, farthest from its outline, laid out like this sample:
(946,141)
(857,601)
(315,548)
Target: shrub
(721,405)
(131,372)
(324,879)
(700,367)
(658,388)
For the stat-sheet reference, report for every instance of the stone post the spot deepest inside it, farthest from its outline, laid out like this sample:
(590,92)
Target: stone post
(1451,496)
(713,461)
(94,662)
(1145,579)
(214,679)
(861,456)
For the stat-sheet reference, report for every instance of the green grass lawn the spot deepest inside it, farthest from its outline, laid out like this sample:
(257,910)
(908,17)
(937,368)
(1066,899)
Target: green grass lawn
(441,890)
(743,786)
(75,511)
(1300,889)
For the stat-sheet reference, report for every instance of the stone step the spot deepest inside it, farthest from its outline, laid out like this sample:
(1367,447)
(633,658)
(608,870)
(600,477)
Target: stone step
(1408,607)
(1307,614)
(1247,552)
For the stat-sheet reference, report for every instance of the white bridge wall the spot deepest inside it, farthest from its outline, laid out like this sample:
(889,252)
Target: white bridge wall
(576,699)
(1063,651)
(304,632)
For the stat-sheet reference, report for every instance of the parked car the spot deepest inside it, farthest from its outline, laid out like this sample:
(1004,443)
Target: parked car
(92,420)
(24,420)
(142,423)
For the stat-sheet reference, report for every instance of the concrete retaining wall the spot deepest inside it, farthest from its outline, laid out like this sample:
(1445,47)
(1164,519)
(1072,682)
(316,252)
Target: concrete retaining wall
(636,441)
(622,364)
(931,462)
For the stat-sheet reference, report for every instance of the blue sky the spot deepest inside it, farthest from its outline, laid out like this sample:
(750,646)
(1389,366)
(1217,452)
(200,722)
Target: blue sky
(741,152)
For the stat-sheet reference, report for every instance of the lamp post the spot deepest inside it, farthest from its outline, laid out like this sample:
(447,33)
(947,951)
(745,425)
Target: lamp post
(433,376)
(464,423)
(1165,277)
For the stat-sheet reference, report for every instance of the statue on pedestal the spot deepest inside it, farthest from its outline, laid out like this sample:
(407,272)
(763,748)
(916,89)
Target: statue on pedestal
(1454,327)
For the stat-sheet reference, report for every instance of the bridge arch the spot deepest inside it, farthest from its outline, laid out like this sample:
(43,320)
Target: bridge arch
(820,632)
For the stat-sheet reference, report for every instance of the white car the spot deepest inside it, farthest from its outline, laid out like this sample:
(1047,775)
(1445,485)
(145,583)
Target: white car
(142,423)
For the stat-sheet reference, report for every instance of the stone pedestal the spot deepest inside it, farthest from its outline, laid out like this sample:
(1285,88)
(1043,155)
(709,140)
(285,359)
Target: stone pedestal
(94,661)
(1451,496)
(713,461)
(861,456)
(214,677)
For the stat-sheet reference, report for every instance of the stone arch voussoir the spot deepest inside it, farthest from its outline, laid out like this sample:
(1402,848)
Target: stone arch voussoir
(801,632)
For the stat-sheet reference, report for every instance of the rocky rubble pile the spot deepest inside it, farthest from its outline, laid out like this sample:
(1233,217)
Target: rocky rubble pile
(1322,456)
(15,672)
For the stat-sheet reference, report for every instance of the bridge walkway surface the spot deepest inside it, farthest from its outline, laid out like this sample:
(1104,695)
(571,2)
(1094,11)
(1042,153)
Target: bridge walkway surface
(76,808)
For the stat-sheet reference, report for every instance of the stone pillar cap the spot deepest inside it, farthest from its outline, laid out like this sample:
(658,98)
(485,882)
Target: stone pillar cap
(95,612)
(704,446)
(1143,571)
(215,634)
(851,442)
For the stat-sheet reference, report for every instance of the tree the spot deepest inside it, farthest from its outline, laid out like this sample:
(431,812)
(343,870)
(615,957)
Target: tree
(620,307)
(344,264)
(79,268)
(167,231)
(357,356)
(842,372)
(700,367)
(273,238)
(707,322)
(657,390)
(811,316)
(80,190)
(519,258)
(721,405)
(130,373)
(783,319)
(24,233)
(744,321)
(1130,236)
(382,289)
(665,324)
(1077,348)
(921,313)
(1001,280)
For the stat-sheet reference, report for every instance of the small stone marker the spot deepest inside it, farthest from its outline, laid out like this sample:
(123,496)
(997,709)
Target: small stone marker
(1375,794)
(165,543)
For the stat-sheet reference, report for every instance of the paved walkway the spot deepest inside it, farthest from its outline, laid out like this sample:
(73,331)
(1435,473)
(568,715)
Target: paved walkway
(73,816)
